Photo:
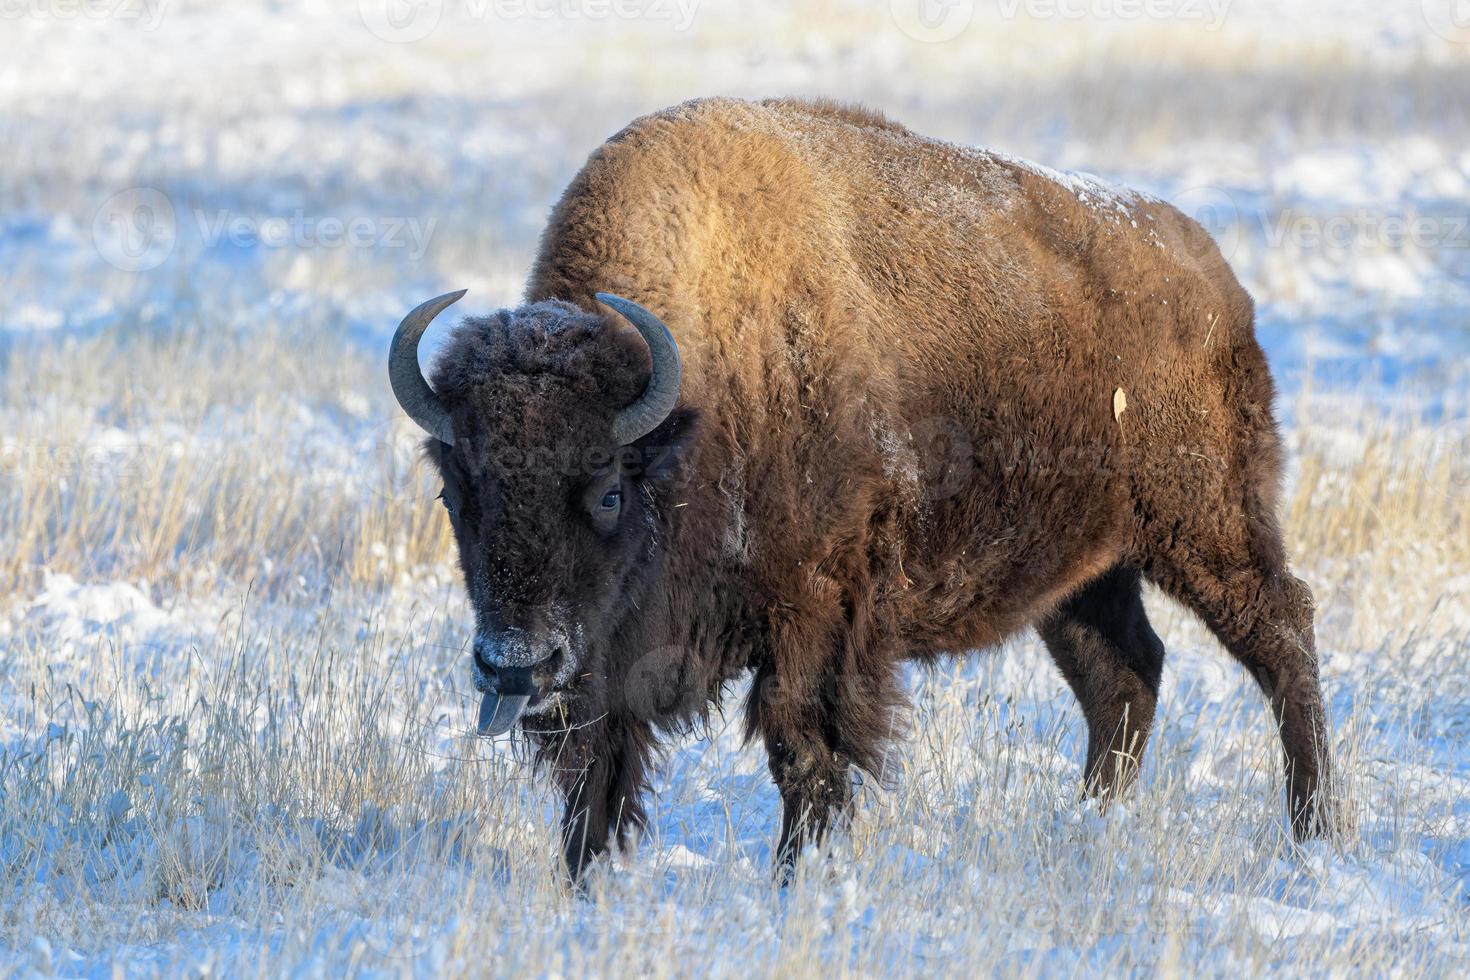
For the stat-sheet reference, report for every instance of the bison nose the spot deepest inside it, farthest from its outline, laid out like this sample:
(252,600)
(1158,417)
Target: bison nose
(509,680)
(516,667)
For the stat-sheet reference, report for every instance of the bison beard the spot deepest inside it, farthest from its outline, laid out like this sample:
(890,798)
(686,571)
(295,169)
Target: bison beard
(921,398)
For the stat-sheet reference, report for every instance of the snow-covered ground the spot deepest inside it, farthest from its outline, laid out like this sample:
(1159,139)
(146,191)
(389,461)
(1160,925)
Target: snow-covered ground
(233,697)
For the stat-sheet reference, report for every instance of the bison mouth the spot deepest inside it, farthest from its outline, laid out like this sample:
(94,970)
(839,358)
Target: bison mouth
(500,712)
(511,692)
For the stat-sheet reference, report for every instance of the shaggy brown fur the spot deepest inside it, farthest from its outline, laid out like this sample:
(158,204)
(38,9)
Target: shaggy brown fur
(898,437)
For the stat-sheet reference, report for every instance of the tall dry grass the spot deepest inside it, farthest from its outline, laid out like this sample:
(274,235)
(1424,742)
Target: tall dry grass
(203,453)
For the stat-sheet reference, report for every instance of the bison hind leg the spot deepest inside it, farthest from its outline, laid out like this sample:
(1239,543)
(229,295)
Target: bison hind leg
(1264,617)
(1101,640)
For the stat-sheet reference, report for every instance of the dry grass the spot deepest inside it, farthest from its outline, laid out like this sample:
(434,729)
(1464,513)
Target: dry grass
(205,453)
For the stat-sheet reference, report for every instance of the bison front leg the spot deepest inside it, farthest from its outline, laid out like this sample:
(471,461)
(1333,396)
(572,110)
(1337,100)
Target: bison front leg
(815,782)
(601,774)
(813,775)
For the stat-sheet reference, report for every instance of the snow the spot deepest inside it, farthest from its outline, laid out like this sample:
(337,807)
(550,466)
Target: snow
(1089,189)
(234,704)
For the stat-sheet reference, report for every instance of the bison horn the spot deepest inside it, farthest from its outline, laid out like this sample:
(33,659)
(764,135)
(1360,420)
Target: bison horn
(418,400)
(662,393)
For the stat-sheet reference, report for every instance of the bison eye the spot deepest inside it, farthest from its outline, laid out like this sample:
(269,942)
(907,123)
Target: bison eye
(611,501)
(447,505)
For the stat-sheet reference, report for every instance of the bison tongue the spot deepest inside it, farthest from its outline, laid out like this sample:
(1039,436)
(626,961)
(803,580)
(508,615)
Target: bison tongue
(499,712)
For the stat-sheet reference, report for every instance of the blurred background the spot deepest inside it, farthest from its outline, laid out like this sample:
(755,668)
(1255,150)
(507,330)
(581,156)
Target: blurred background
(211,149)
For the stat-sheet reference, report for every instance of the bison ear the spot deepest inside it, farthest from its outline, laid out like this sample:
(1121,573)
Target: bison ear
(435,451)
(664,451)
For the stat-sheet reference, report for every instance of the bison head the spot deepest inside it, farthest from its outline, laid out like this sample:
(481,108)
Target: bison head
(555,433)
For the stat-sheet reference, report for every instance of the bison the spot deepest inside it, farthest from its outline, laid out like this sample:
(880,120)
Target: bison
(900,399)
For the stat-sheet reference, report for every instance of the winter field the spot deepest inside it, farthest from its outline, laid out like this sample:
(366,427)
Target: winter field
(235,702)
